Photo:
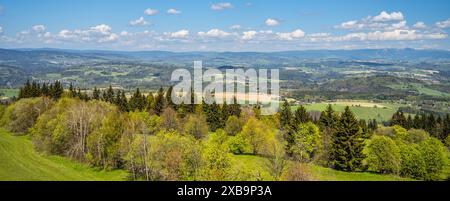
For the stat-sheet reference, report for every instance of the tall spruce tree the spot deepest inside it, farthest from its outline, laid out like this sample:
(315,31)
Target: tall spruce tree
(159,102)
(96,94)
(168,97)
(285,115)
(213,116)
(235,108)
(347,143)
(300,116)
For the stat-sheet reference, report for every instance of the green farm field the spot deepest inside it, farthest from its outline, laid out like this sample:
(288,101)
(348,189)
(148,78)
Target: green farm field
(362,109)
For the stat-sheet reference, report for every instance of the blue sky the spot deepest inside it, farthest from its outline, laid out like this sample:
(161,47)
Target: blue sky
(182,25)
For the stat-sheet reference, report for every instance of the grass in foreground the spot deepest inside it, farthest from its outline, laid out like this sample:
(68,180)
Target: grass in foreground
(20,162)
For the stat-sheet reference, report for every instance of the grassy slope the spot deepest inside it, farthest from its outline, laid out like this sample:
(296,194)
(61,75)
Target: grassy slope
(319,173)
(19,161)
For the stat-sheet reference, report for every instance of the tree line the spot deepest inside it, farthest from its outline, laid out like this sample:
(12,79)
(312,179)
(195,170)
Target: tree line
(438,127)
(154,139)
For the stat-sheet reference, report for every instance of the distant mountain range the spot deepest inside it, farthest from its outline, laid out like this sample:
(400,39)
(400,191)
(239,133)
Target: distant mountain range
(36,58)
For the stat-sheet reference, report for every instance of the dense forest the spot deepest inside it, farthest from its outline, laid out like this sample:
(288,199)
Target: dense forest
(155,139)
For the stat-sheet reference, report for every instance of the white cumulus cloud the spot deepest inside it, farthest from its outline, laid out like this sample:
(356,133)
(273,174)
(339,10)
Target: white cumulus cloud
(221,6)
(100,34)
(443,24)
(248,35)
(385,17)
(420,25)
(272,22)
(38,28)
(214,33)
(140,21)
(296,34)
(150,11)
(173,11)
(183,33)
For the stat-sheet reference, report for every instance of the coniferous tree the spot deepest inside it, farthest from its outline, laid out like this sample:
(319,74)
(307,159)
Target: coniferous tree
(72,92)
(96,94)
(409,122)
(373,125)
(235,108)
(150,103)
(446,127)
(214,117)
(190,108)
(57,90)
(431,126)
(398,118)
(226,112)
(137,101)
(108,96)
(169,101)
(329,118)
(347,143)
(45,90)
(417,124)
(285,115)
(300,116)
(122,102)
(159,102)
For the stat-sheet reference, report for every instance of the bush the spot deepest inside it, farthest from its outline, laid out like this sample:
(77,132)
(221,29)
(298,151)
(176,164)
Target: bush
(66,128)
(233,125)
(307,142)
(412,163)
(400,132)
(298,172)
(216,157)
(239,144)
(383,155)
(417,136)
(434,155)
(257,134)
(22,115)
(103,143)
(196,126)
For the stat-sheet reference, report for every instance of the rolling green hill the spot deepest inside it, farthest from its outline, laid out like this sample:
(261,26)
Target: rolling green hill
(20,162)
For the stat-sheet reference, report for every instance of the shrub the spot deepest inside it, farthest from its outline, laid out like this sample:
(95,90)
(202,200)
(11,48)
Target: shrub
(216,157)
(257,134)
(412,163)
(434,155)
(233,125)
(298,172)
(383,155)
(103,143)
(307,142)
(196,126)
(239,144)
(416,136)
(400,132)
(22,115)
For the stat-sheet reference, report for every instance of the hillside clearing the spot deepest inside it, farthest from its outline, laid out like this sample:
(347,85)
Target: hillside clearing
(20,162)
